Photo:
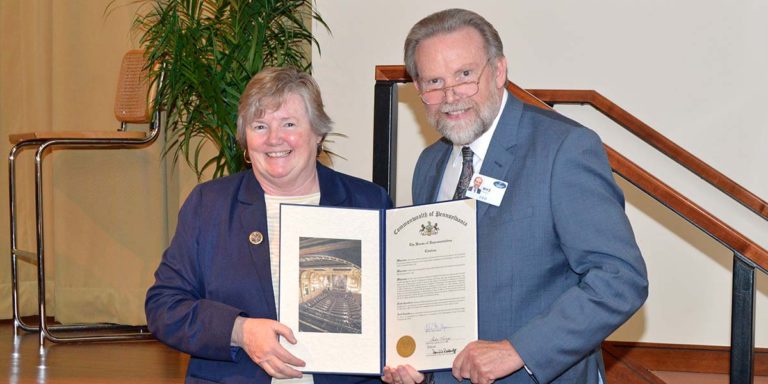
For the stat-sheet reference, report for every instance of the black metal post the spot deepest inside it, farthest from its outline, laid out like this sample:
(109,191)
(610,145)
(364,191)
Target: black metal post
(742,321)
(385,135)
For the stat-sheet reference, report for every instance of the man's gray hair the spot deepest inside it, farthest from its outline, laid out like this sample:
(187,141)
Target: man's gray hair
(450,20)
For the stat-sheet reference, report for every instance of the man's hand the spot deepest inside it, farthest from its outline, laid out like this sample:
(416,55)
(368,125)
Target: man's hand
(484,361)
(261,343)
(402,374)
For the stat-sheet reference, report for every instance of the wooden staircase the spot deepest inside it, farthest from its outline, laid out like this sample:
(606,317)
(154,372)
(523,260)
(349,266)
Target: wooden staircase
(636,362)
(651,363)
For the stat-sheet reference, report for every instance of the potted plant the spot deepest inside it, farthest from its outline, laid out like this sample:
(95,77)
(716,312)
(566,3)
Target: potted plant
(209,50)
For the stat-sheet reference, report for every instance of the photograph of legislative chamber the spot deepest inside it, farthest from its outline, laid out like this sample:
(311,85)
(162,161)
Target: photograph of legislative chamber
(674,89)
(329,281)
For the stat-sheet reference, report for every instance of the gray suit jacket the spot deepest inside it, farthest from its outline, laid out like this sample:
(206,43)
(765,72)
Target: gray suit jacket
(558,265)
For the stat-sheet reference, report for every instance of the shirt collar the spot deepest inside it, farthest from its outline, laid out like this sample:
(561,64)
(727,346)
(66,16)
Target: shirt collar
(480,145)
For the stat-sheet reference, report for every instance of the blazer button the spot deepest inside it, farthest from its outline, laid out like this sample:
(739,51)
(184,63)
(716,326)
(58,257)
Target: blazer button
(256,238)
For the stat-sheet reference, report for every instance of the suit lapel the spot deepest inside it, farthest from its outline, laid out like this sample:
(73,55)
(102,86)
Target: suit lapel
(253,212)
(332,192)
(427,189)
(501,152)
(252,219)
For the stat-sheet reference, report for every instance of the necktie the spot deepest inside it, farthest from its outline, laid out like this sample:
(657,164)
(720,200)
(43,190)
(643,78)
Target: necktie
(466,173)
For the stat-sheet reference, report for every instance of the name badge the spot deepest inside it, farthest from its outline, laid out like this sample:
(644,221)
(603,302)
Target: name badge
(486,189)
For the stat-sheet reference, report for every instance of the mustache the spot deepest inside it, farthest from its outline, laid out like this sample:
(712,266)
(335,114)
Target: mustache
(447,108)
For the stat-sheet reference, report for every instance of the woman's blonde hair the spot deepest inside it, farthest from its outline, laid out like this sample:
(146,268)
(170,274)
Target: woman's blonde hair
(267,91)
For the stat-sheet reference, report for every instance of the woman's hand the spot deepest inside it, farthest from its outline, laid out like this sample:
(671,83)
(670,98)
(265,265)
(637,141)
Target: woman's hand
(261,343)
(402,374)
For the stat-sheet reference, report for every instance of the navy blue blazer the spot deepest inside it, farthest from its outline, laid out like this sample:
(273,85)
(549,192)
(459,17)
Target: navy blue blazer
(558,266)
(211,273)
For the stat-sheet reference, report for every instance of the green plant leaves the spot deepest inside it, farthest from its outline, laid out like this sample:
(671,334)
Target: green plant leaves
(209,50)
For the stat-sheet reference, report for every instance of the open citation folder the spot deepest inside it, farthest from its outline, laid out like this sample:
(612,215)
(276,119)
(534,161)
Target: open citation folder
(363,288)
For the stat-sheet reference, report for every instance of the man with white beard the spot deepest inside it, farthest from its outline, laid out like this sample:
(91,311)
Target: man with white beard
(558,266)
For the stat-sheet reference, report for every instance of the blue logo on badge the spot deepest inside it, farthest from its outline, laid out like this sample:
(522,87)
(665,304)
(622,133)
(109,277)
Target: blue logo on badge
(500,184)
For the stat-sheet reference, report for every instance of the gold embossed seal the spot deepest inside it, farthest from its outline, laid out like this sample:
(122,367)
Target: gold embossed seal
(406,345)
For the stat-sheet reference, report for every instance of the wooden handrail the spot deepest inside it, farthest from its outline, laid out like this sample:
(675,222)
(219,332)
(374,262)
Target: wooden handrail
(708,359)
(656,140)
(630,171)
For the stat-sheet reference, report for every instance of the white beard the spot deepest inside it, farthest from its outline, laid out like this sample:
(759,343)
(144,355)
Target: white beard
(468,130)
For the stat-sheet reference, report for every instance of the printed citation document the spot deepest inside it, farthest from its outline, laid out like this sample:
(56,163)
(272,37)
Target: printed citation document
(362,288)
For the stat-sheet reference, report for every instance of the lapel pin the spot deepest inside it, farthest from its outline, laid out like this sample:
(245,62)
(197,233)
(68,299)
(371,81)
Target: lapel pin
(256,238)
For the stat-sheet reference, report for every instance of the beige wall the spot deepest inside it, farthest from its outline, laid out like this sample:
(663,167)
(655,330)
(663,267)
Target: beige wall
(25,102)
(693,70)
(106,209)
(689,69)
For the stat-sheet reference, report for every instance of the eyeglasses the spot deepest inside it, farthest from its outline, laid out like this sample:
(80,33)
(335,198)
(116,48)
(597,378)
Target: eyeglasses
(461,90)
